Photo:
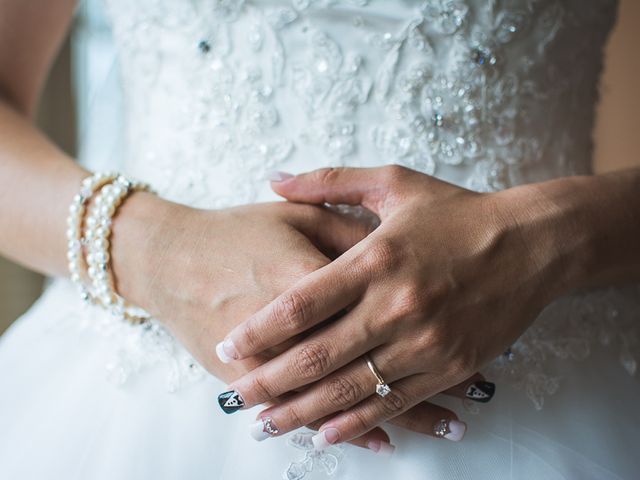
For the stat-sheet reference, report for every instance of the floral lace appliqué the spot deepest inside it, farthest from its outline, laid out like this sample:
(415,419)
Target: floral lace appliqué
(324,460)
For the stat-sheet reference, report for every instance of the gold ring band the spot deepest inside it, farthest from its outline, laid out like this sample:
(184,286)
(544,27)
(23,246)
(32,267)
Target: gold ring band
(382,388)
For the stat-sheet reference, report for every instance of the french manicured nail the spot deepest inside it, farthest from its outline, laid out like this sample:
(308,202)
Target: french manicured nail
(226,351)
(325,438)
(481,391)
(264,428)
(230,401)
(452,430)
(278,176)
(381,448)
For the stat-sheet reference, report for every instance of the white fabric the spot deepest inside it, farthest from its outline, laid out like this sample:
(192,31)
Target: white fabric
(216,93)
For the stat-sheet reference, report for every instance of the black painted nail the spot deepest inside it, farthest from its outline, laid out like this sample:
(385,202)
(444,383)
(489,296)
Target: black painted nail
(230,401)
(481,391)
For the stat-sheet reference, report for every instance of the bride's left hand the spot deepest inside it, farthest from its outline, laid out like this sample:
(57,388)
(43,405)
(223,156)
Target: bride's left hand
(446,283)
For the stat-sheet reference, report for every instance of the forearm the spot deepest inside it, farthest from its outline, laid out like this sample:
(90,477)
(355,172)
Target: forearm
(587,228)
(37,183)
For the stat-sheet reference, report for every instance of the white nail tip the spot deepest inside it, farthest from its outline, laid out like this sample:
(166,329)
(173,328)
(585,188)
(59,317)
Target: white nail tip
(386,449)
(278,176)
(383,449)
(224,358)
(319,441)
(456,431)
(325,438)
(257,431)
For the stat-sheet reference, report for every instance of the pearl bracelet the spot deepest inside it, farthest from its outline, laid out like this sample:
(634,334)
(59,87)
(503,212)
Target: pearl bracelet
(97,235)
(90,186)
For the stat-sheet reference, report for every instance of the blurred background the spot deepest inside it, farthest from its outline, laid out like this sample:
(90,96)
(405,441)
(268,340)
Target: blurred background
(87,61)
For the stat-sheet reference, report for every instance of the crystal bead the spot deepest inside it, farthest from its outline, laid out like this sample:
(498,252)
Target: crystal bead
(204,46)
(483,56)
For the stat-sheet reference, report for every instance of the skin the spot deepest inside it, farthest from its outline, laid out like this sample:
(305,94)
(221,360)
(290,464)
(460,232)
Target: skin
(443,261)
(188,267)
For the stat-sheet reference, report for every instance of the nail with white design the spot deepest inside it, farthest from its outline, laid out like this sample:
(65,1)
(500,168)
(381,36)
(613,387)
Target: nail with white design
(226,351)
(381,448)
(279,176)
(230,401)
(325,438)
(481,391)
(262,429)
(453,430)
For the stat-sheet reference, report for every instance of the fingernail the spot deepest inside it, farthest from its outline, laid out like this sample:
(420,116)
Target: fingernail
(230,401)
(226,351)
(276,176)
(224,358)
(452,430)
(381,448)
(325,438)
(481,391)
(264,428)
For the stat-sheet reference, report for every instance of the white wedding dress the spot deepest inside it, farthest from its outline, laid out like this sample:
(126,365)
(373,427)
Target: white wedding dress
(485,94)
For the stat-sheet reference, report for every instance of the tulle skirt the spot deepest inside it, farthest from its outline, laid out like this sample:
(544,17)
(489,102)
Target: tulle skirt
(62,416)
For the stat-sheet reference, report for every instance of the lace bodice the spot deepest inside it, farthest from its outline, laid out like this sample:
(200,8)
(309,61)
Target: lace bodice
(485,94)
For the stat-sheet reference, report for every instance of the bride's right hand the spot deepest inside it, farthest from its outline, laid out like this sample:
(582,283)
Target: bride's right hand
(200,272)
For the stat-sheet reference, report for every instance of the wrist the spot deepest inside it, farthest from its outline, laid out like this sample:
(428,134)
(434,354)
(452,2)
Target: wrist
(558,231)
(136,243)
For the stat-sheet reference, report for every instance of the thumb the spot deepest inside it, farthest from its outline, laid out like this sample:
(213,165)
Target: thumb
(368,187)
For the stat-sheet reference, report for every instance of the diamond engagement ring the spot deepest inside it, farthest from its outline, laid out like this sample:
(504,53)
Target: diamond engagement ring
(382,388)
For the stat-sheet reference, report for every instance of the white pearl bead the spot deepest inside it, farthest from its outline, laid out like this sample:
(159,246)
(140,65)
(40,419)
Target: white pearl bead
(101,243)
(101,257)
(73,221)
(107,210)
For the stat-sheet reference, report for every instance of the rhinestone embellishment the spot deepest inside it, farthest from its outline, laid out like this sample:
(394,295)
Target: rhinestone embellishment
(442,428)
(269,427)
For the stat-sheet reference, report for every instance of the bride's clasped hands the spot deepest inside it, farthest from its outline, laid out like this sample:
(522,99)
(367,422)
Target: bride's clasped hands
(200,285)
(445,284)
